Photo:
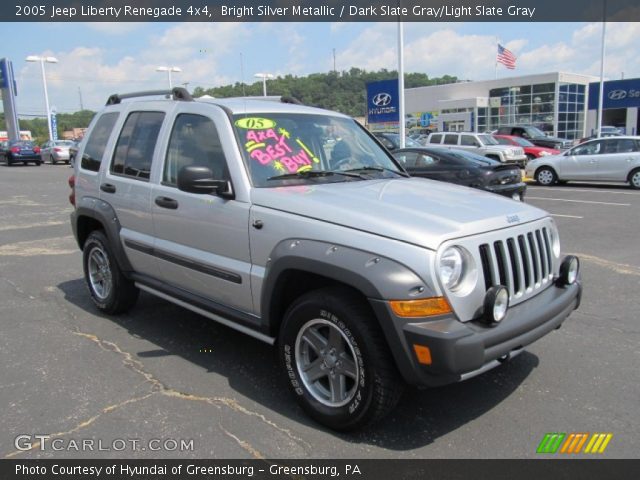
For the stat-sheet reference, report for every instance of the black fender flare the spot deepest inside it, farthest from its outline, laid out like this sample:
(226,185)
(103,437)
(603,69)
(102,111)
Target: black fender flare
(375,276)
(105,214)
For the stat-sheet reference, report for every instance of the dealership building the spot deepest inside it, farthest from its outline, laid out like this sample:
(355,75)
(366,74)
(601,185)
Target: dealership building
(561,104)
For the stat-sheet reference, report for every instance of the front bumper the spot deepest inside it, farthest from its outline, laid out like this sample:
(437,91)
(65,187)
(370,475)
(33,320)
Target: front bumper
(460,350)
(521,160)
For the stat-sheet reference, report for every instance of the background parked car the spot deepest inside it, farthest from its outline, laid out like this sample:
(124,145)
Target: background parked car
(479,143)
(392,140)
(535,136)
(21,151)
(530,150)
(463,168)
(613,159)
(606,131)
(56,151)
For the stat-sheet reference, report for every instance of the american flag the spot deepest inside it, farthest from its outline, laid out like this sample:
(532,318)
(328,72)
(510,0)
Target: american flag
(506,57)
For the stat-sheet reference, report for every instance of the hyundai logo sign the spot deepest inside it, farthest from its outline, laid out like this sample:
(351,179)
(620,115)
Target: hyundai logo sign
(382,99)
(617,94)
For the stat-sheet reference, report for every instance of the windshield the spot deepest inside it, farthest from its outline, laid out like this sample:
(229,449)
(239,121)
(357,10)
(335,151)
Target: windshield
(534,132)
(289,148)
(488,140)
(64,143)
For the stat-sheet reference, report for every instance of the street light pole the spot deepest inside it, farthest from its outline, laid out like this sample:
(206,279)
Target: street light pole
(264,77)
(42,60)
(169,70)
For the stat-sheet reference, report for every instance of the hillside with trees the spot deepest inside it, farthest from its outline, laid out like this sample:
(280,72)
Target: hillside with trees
(344,92)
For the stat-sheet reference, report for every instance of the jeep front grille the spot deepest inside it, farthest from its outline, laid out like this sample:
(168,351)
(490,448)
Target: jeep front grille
(522,263)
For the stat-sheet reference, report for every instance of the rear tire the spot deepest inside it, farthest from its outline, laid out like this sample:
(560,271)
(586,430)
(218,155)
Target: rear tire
(110,290)
(336,360)
(38,164)
(546,176)
(634,179)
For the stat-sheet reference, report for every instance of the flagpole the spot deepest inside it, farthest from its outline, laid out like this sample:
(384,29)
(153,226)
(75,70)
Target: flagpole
(496,52)
(401,124)
(601,92)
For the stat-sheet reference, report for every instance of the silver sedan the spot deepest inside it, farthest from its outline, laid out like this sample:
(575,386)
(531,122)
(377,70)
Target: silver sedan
(613,159)
(56,151)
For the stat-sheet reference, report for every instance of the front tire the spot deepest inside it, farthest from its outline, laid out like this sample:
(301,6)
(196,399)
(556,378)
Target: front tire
(546,176)
(336,360)
(53,161)
(634,179)
(110,290)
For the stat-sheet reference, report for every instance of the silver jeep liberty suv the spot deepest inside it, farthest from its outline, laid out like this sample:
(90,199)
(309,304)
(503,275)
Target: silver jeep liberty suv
(292,224)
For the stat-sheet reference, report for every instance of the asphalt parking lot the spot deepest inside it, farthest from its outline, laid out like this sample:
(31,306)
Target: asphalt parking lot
(162,372)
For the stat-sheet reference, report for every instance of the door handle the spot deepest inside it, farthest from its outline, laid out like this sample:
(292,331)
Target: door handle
(166,202)
(108,188)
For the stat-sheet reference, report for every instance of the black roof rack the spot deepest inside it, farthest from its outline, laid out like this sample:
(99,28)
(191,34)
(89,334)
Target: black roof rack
(177,93)
(293,100)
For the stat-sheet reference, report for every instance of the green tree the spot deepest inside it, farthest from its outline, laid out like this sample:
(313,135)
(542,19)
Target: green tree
(341,91)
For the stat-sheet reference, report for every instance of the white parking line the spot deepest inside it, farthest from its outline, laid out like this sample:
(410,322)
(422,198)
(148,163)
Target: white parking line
(566,216)
(579,201)
(565,190)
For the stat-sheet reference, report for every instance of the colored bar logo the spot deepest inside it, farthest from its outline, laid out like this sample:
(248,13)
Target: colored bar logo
(574,443)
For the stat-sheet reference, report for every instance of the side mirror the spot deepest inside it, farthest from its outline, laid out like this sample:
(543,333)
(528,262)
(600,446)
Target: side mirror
(194,179)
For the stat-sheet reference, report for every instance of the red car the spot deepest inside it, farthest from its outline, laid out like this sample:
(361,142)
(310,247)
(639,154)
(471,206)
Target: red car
(531,151)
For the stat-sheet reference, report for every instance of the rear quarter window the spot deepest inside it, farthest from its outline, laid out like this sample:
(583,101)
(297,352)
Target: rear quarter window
(97,142)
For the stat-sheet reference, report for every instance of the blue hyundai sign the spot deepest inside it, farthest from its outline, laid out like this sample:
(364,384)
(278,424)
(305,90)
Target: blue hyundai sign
(617,94)
(383,102)
(4,73)
(54,127)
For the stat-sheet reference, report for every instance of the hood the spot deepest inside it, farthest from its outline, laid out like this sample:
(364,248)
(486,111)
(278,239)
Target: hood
(414,210)
(500,148)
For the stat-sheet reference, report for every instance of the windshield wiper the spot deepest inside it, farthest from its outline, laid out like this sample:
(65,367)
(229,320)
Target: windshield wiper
(377,169)
(313,173)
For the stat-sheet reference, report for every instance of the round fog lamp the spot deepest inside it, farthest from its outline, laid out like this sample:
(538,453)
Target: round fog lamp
(569,269)
(496,304)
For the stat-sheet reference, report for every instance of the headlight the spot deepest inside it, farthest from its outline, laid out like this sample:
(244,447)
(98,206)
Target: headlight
(544,153)
(451,267)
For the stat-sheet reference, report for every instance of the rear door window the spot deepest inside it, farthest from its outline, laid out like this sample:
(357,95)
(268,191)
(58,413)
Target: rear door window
(451,139)
(437,138)
(136,144)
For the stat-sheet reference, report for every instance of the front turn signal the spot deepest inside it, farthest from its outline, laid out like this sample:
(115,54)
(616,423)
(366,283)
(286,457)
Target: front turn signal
(425,307)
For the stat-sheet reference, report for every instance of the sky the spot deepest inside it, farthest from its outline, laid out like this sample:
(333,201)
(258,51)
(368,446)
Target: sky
(98,59)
